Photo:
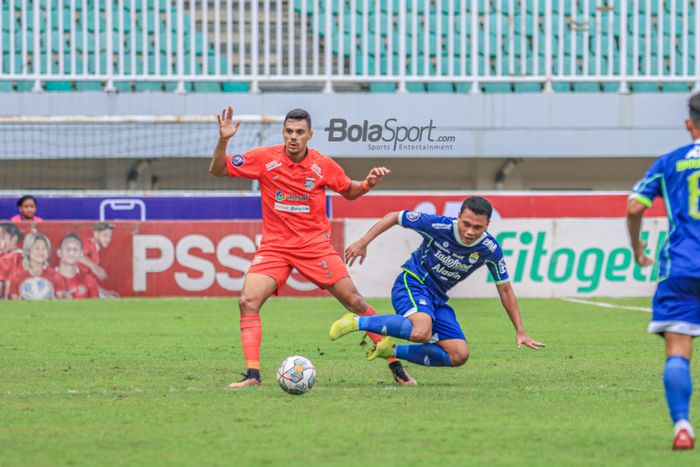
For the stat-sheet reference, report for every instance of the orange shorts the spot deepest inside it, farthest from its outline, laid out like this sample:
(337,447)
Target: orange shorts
(323,267)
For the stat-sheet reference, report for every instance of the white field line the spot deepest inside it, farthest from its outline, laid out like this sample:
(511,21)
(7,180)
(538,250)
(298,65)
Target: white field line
(607,305)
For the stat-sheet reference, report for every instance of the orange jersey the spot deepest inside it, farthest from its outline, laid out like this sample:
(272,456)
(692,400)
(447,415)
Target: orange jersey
(293,194)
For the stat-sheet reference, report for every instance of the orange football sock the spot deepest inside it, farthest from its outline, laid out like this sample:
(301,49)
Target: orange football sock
(251,338)
(373,335)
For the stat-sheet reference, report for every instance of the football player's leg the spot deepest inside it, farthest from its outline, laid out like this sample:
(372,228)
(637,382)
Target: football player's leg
(446,328)
(676,315)
(330,273)
(447,346)
(262,280)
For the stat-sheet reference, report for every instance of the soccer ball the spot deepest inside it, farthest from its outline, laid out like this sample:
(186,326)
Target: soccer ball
(296,375)
(36,288)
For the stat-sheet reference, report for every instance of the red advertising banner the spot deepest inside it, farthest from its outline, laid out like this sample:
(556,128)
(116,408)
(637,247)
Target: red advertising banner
(506,205)
(155,259)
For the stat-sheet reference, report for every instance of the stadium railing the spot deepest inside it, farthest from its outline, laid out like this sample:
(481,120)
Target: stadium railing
(376,45)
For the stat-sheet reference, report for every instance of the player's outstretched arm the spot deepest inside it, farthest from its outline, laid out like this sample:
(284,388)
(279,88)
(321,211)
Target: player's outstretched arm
(357,189)
(510,303)
(358,249)
(635,212)
(227,129)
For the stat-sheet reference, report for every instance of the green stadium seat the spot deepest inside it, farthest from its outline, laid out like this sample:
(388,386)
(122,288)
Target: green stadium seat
(6,86)
(235,86)
(675,87)
(586,87)
(610,87)
(382,87)
(497,88)
(527,87)
(644,87)
(24,86)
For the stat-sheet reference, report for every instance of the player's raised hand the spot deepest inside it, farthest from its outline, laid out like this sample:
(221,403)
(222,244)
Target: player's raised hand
(524,339)
(226,126)
(355,250)
(376,175)
(641,258)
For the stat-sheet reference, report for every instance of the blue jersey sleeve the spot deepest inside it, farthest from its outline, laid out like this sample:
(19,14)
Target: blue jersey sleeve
(419,221)
(649,187)
(497,266)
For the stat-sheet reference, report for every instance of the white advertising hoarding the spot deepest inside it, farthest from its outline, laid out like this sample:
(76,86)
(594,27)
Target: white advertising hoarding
(545,257)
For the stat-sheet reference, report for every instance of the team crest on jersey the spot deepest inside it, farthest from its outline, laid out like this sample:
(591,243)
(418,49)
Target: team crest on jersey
(237,160)
(310,183)
(317,170)
(474,257)
(412,216)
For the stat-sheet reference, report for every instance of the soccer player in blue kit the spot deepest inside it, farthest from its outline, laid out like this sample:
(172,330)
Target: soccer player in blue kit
(676,305)
(452,249)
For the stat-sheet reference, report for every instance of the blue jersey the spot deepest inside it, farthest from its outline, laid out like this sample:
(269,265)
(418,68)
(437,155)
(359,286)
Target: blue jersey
(676,177)
(443,259)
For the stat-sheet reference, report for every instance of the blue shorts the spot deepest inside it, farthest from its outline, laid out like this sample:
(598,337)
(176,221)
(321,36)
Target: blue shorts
(676,307)
(410,296)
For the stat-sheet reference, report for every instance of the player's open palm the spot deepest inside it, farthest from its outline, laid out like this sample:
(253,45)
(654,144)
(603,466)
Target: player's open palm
(524,339)
(226,126)
(377,174)
(355,250)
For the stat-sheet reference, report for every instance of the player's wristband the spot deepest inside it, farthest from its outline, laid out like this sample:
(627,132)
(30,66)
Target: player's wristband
(365,185)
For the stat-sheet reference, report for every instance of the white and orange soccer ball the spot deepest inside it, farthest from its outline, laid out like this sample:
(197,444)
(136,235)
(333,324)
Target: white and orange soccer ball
(296,375)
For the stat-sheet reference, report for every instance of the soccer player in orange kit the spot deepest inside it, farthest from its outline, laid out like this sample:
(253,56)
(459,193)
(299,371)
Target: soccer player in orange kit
(296,229)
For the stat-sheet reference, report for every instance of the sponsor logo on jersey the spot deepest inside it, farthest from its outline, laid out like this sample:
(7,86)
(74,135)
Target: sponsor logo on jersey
(446,244)
(439,226)
(490,244)
(281,196)
(292,208)
(272,165)
(237,161)
(451,262)
(317,170)
(474,257)
(412,216)
(445,273)
(502,266)
(310,183)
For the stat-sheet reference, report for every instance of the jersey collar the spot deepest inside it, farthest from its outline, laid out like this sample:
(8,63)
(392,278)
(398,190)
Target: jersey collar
(306,162)
(458,238)
(697,141)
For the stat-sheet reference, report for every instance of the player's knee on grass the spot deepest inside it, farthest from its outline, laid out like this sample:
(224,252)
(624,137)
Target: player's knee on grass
(458,351)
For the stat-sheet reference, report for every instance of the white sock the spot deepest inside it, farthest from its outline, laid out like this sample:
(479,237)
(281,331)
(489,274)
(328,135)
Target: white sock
(684,424)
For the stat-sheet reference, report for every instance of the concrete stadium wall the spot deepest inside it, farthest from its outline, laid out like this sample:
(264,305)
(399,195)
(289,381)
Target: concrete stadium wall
(501,141)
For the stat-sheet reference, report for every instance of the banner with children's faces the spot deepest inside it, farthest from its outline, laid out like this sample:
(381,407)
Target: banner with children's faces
(126,259)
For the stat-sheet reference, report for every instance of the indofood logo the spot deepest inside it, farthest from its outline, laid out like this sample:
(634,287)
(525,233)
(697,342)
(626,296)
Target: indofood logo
(389,135)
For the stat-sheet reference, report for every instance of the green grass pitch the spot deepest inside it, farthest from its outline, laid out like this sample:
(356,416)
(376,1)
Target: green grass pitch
(142,382)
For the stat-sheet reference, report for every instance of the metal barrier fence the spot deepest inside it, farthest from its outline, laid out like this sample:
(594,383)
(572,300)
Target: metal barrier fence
(408,44)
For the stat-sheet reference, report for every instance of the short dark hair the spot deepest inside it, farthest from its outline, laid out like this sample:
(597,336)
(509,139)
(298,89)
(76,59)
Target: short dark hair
(298,114)
(68,236)
(100,226)
(477,205)
(24,198)
(694,108)
(12,230)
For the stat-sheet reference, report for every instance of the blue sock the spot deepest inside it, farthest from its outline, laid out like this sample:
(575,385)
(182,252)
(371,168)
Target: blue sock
(678,386)
(423,354)
(387,325)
